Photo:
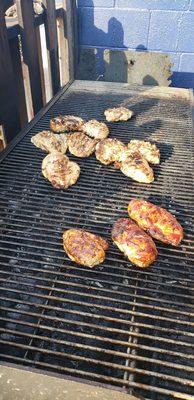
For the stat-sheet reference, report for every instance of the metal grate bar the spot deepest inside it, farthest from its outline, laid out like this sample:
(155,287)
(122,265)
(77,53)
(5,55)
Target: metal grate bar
(77,270)
(103,317)
(99,289)
(54,289)
(101,338)
(84,303)
(101,328)
(101,362)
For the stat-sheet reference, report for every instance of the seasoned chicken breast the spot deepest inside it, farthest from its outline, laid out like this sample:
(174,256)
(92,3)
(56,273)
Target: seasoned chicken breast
(118,114)
(84,247)
(135,166)
(60,171)
(148,150)
(49,141)
(66,123)
(157,221)
(80,145)
(134,242)
(96,129)
(109,150)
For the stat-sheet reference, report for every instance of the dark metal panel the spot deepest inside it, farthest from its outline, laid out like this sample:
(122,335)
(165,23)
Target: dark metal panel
(52,42)
(14,29)
(31,124)
(6,4)
(19,81)
(25,13)
(9,116)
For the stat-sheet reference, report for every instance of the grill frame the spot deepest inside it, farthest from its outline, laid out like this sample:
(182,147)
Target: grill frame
(132,369)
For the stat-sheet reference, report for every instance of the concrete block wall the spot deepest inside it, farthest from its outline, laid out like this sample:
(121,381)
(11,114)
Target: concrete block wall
(165,26)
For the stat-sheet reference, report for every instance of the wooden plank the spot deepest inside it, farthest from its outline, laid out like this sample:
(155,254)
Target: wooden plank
(2,138)
(66,25)
(19,80)
(75,34)
(52,42)
(45,68)
(25,13)
(63,51)
(9,116)
(42,77)
(28,91)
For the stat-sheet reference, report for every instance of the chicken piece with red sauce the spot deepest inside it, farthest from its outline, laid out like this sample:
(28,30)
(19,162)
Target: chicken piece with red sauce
(134,242)
(157,221)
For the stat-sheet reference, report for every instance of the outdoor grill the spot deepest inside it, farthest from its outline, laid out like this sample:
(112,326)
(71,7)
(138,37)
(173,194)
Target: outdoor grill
(116,325)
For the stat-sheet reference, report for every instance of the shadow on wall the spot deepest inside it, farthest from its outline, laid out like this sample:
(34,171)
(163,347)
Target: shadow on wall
(115,34)
(115,29)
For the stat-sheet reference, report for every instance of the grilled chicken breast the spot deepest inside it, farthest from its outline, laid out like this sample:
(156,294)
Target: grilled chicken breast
(157,221)
(109,150)
(49,141)
(60,171)
(135,166)
(96,129)
(66,123)
(148,150)
(80,145)
(84,247)
(118,114)
(134,242)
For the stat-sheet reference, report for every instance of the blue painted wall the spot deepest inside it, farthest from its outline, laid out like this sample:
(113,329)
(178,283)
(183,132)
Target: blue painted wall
(156,25)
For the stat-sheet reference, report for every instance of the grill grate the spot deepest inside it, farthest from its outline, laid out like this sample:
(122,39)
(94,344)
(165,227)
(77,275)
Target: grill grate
(115,325)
